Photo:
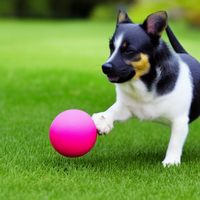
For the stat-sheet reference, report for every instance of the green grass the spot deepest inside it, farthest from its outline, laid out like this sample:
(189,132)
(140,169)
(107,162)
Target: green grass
(47,67)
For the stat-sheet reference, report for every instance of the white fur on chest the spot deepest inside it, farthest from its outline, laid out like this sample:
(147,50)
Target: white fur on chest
(149,106)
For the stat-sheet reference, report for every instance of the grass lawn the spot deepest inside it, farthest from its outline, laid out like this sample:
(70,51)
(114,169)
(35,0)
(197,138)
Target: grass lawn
(47,67)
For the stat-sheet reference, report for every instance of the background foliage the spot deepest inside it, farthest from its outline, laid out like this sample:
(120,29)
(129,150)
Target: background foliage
(52,8)
(177,9)
(100,9)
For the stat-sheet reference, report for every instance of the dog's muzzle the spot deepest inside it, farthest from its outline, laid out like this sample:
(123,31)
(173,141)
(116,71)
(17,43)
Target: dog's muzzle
(107,67)
(116,76)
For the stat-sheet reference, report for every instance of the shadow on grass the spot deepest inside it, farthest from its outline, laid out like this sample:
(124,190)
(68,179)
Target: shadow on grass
(119,160)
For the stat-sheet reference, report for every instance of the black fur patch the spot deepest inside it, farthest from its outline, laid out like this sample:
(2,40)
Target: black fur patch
(169,68)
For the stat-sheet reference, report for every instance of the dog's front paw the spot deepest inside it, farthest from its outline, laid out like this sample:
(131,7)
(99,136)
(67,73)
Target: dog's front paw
(171,160)
(103,123)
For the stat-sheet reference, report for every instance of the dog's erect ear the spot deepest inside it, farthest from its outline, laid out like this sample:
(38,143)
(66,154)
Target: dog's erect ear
(123,17)
(156,23)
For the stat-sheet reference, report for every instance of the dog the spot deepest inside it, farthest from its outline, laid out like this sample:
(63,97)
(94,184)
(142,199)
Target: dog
(153,80)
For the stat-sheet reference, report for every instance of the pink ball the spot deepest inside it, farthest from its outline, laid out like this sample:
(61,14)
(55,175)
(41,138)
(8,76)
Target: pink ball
(73,133)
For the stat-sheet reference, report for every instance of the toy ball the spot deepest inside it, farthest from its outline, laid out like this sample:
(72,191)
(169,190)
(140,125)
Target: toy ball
(73,133)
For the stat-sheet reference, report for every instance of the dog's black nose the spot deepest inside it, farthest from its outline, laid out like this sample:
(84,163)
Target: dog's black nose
(107,67)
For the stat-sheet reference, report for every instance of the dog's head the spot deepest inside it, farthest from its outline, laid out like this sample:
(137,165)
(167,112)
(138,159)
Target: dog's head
(133,46)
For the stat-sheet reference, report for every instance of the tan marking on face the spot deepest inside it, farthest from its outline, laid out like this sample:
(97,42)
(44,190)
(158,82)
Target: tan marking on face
(141,65)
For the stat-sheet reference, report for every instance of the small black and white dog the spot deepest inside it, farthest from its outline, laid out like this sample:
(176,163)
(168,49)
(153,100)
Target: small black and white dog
(153,82)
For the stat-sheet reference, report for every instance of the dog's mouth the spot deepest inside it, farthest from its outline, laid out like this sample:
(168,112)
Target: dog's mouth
(113,79)
(120,79)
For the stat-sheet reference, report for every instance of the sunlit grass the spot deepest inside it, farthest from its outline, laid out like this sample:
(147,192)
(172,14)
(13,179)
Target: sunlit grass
(47,67)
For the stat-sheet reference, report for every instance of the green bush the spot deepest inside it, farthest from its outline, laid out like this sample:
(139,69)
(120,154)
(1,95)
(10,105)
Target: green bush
(39,8)
(177,9)
(7,7)
(104,12)
(59,8)
(139,11)
(192,10)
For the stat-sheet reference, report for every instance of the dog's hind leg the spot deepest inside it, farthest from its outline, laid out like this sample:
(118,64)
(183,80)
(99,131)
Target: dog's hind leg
(104,121)
(178,137)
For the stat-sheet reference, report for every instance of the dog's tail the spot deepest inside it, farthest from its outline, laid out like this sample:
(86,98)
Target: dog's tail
(174,41)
